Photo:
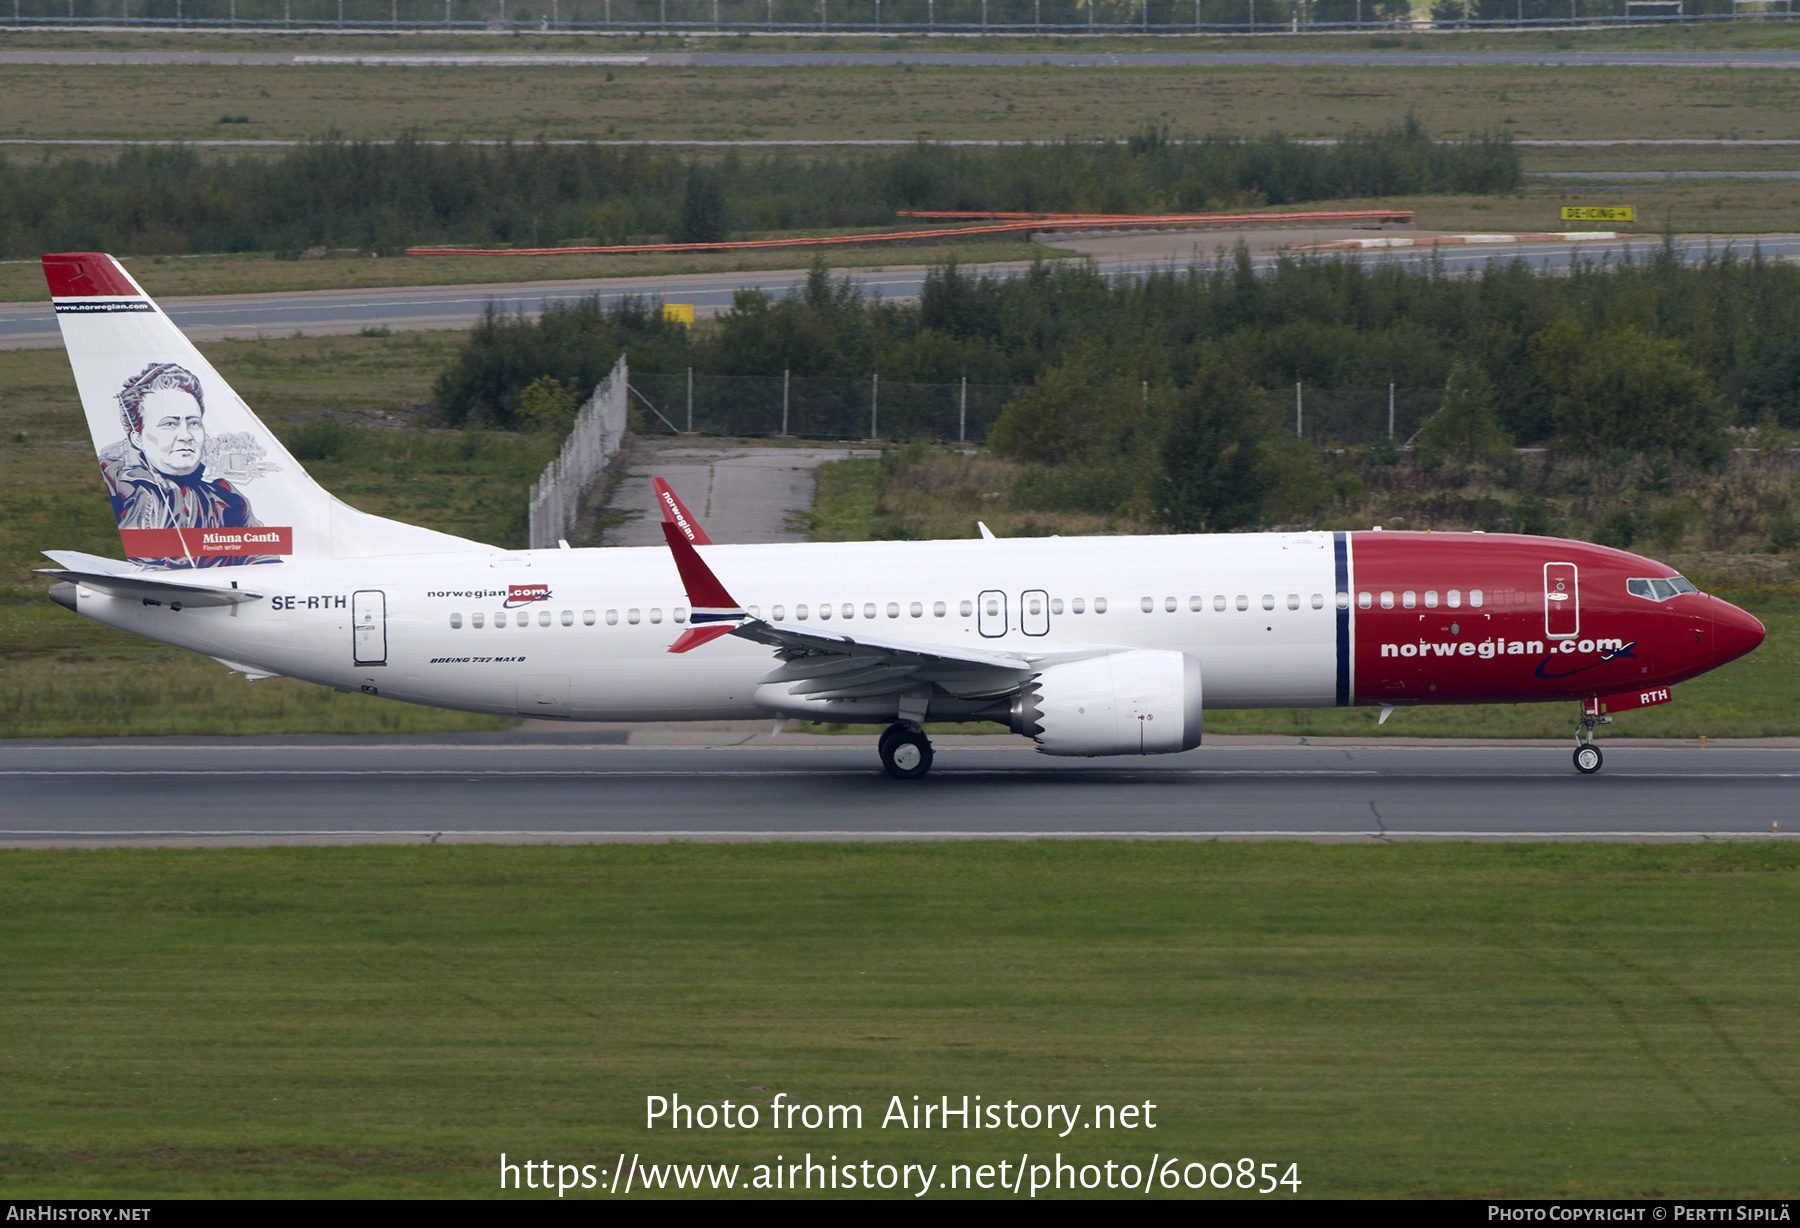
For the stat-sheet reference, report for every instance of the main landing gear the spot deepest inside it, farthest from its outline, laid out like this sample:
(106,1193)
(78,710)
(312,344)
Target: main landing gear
(905,752)
(1587,756)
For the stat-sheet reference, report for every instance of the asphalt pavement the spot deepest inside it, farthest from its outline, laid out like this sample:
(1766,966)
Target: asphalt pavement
(318,312)
(588,786)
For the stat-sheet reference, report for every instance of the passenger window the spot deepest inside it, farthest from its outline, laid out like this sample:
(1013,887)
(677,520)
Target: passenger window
(681,613)
(1036,605)
(475,619)
(500,618)
(967,608)
(587,618)
(800,612)
(568,618)
(631,616)
(456,622)
(1431,599)
(1268,601)
(1147,603)
(1099,605)
(1387,600)
(612,618)
(1195,604)
(543,618)
(655,615)
(1170,605)
(868,610)
(1364,601)
(779,613)
(1056,605)
(993,608)
(916,610)
(824,610)
(937,609)
(1318,601)
(894,609)
(1453,598)
(1219,601)
(1475,598)
(1243,602)
(849,611)
(1343,601)
(1294,601)
(1078,606)
(1409,599)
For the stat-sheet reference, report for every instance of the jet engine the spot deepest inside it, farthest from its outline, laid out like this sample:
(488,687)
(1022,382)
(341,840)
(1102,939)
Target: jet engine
(1144,702)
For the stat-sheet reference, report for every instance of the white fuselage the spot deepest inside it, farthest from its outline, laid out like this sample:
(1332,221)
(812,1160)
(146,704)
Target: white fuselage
(471,630)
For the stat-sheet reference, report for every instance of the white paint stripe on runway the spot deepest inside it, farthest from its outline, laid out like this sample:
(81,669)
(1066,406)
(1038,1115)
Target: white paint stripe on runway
(886,834)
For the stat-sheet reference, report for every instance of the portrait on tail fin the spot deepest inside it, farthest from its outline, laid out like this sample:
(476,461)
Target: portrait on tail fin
(157,479)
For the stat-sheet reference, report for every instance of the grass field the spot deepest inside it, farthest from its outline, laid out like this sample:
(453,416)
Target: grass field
(1037,103)
(1456,1021)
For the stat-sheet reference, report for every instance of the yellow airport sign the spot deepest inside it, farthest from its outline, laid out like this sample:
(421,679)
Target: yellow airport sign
(1599,213)
(678,313)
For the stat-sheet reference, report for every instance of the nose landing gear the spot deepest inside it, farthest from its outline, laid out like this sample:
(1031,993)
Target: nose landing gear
(1587,756)
(905,752)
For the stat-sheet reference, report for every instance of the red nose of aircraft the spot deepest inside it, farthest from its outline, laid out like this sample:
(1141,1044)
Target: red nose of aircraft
(1734,632)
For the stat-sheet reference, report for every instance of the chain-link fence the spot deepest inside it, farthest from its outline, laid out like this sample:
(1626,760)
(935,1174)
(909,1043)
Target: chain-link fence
(818,406)
(1344,417)
(594,440)
(1066,17)
(875,408)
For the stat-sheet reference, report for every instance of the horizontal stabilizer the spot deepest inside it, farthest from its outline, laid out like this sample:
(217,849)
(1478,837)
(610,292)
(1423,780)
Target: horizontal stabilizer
(155,588)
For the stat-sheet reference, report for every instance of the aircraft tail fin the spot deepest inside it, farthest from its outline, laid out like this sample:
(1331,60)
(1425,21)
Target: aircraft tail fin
(195,478)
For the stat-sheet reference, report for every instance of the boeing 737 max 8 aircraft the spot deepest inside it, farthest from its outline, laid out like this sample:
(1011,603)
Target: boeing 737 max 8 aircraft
(1089,646)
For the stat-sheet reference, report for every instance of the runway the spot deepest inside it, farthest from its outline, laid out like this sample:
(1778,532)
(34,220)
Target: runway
(556,788)
(319,312)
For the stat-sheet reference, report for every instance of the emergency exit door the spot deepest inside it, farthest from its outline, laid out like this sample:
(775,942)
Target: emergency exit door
(1562,601)
(368,613)
(990,614)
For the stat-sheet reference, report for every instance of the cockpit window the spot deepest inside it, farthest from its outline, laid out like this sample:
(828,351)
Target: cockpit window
(1659,590)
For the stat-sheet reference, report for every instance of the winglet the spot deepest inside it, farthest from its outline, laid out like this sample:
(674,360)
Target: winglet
(676,513)
(712,611)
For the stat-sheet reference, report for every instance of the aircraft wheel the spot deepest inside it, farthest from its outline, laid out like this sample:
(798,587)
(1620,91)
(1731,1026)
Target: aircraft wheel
(1588,759)
(905,753)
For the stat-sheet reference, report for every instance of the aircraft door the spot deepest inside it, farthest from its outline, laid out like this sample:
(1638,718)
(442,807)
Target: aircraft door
(991,613)
(368,614)
(1034,612)
(1562,601)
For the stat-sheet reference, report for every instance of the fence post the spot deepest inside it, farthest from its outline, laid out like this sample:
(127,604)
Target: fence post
(1390,409)
(1298,432)
(962,413)
(874,405)
(690,429)
(786,372)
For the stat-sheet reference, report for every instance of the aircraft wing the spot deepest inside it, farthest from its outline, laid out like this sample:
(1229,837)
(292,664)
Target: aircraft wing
(825,664)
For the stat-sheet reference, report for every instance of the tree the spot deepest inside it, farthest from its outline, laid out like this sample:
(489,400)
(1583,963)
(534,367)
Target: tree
(1466,427)
(1083,409)
(1633,392)
(548,404)
(1217,468)
(702,209)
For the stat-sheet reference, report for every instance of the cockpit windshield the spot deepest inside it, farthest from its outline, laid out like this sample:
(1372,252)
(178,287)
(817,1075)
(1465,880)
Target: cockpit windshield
(1659,589)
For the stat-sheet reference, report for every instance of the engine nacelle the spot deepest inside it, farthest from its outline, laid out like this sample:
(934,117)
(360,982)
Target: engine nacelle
(1144,702)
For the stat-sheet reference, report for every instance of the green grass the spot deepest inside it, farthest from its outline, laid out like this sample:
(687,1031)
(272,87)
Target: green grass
(1455,1020)
(887,101)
